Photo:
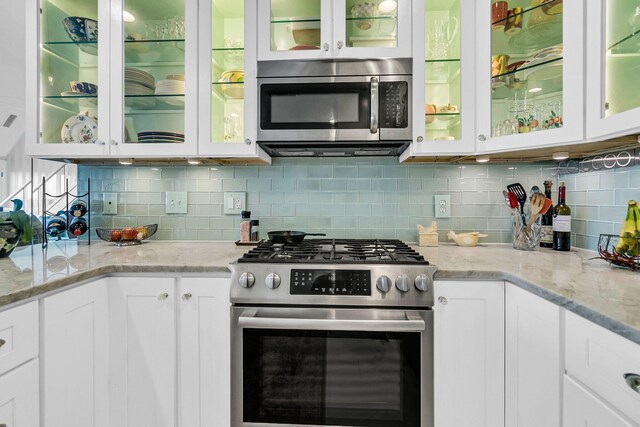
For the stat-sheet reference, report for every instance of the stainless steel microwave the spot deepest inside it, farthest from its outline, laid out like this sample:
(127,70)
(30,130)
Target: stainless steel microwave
(335,108)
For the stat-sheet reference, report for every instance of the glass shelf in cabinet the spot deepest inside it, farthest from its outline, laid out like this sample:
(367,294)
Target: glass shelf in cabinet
(628,45)
(228,91)
(528,40)
(374,18)
(533,65)
(293,20)
(527,10)
(158,102)
(81,54)
(73,103)
(154,53)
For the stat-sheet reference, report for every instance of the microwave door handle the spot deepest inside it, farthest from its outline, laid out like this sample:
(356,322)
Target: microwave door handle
(413,323)
(375,105)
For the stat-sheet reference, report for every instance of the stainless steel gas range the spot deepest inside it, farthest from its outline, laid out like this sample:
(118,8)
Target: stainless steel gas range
(332,333)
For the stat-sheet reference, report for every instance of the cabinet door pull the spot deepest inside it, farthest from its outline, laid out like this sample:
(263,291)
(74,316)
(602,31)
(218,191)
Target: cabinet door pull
(633,381)
(442,300)
(340,45)
(163,296)
(187,296)
(325,47)
(2,342)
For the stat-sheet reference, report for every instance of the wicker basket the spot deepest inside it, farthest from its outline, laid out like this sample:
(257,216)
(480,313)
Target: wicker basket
(127,236)
(606,248)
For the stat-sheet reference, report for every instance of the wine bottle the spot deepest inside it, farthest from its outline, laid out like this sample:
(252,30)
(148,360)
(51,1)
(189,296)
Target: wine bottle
(546,241)
(78,227)
(56,225)
(562,222)
(78,208)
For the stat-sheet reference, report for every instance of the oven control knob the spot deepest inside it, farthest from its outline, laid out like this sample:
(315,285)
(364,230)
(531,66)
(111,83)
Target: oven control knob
(272,281)
(247,280)
(383,284)
(403,283)
(423,282)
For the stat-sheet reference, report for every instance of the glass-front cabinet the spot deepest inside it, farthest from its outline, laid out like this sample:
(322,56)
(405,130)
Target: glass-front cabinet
(443,78)
(154,80)
(613,66)
(68,59)
(228,111)
(530,74)
(320,29)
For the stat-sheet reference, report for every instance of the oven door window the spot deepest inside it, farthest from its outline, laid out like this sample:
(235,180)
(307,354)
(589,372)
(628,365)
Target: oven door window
(315,106)
(331,378)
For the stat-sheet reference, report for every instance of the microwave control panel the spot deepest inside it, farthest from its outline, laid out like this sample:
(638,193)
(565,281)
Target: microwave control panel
(330,282)
(394,105)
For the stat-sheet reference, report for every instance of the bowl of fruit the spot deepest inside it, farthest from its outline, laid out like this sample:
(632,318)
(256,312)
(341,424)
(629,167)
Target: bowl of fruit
(127,236)
(623,250)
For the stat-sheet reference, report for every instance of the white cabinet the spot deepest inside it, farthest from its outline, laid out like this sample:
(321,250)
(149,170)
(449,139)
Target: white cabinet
(19,397)
(204,367)
(582,409)
(76,357)
(143,352)
(170,351)
(18,336)
(541,103)
(534,369)
(469,354)
(613,89)
(329,29)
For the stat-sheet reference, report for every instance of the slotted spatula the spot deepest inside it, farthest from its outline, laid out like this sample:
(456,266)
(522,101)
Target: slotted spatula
(521,196)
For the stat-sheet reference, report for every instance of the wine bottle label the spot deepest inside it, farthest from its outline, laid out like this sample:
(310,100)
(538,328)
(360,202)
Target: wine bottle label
(562,223)
(546,232)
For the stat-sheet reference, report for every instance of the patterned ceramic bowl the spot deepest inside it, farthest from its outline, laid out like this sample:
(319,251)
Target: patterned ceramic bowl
(364,10)
(81,29)
(84,88)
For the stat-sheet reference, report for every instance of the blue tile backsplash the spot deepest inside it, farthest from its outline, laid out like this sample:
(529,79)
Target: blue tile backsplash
(352,198)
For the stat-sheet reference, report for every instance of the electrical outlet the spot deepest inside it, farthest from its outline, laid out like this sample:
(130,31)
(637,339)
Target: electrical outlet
(176,202)
(110,203)
(443,206)
(234,203)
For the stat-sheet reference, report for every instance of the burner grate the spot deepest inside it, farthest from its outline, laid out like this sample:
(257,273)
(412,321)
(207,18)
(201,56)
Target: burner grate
(336,251)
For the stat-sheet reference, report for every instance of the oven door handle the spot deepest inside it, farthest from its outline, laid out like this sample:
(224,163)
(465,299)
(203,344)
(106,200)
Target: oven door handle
(413,323)
(375,105)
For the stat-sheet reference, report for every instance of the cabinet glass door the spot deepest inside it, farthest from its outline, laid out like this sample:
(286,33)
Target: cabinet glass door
(69,77)
(154,71)
(442,71)
(372,29)
(622,56)
(294,29)
(526,66)
(227,71)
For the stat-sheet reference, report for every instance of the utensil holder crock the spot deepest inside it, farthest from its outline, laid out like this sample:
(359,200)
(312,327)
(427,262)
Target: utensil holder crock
(526,239)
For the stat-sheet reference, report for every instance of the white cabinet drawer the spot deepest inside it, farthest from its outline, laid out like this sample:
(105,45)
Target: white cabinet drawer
(600,359)
(582,409)
(18,336)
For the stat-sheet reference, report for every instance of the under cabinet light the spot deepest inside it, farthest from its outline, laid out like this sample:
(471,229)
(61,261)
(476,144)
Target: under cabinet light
(560,155)
(125,162)
(483,159)
(194,161)
(535,90)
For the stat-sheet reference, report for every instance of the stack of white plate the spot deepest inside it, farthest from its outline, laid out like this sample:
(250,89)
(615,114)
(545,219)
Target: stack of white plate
(170,87)
(138,82)
(160,137)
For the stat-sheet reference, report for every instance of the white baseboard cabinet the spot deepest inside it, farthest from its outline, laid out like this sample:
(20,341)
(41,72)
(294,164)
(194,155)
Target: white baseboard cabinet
(469,354)
(19,400)
(75,339)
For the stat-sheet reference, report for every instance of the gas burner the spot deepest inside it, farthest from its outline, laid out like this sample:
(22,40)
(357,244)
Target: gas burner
(336,251)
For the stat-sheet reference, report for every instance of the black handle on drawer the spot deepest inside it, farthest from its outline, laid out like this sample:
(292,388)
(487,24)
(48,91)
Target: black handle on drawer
(633,381)
(2,342)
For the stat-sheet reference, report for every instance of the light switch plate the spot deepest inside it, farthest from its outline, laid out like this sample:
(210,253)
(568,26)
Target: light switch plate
(234,203)
(443,206)
(176,202)
(110,203)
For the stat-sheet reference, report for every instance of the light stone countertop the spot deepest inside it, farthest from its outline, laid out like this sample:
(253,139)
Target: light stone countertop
(591,288)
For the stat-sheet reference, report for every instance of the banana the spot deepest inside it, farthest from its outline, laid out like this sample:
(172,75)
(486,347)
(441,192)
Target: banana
(628,243)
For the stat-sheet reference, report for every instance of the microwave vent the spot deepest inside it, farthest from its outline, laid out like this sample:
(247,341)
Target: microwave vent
(372,152)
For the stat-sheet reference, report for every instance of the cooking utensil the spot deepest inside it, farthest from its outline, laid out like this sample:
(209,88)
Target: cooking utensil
(537,203)
(290,237)
(535,189)
(512,202)
(547,205)
(521,196)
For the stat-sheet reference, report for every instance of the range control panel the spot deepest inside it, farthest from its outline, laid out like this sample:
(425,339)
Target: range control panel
(330,282)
